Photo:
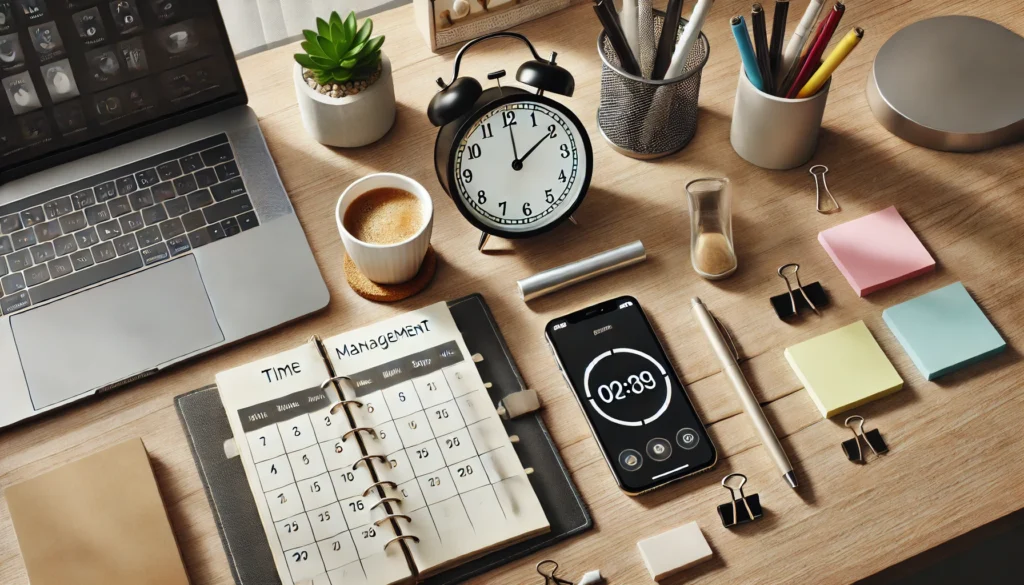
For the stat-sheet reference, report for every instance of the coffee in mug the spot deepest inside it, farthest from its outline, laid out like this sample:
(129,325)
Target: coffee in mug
(385,215)
(385,221)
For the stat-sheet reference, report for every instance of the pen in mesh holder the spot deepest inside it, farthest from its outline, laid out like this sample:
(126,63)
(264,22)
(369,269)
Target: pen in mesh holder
(645,118)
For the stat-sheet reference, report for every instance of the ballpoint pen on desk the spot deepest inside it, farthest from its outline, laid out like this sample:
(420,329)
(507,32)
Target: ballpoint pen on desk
(834,59)
(667,41)
(605,10)
(757,21)
(628,20)
(796,42)
(731,368)
(778,36)
(691,32)
(813,60)
(739,30)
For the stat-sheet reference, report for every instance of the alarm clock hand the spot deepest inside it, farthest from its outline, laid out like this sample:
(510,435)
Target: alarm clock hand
(515,155)
(518,164)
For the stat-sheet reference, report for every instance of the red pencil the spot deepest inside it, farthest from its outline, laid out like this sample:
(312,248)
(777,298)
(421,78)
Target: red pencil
(828,28)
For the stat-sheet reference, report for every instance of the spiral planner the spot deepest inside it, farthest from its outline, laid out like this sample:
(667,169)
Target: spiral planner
(399,473)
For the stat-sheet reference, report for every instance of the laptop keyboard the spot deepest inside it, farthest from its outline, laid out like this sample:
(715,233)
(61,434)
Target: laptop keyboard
(81,234)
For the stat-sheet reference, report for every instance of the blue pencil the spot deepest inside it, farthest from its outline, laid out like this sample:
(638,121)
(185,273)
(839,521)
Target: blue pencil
(739,30)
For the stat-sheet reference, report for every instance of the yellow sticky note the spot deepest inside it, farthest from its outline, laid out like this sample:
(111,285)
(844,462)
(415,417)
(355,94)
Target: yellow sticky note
(843,369)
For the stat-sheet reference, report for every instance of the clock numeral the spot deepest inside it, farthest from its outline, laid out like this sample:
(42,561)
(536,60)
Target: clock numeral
(467,176)
(551,131)
(561,176)
(485,129)
(474,151)
(526,209)
(533,116)
(502,205)
(481,197)
(508,118)
(565,150)
(549,197)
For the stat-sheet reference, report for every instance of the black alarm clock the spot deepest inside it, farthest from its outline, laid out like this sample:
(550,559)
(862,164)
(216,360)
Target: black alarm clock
(515,163)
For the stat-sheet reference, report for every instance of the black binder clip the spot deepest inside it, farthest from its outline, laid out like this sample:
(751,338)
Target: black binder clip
(873,438)
(741,510)
(789,305)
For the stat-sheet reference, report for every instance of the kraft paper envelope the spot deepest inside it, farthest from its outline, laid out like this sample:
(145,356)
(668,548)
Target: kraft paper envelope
(97,521)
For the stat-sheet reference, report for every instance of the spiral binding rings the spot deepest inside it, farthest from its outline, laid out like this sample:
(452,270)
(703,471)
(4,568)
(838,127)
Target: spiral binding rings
(386,500)
(401,538)
(337,407)
(366,430)
(364,460)
(329,381)
(384,483)
(392,517)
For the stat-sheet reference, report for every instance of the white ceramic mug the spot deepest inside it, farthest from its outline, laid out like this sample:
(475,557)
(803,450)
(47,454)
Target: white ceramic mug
(773,132)
(387,263)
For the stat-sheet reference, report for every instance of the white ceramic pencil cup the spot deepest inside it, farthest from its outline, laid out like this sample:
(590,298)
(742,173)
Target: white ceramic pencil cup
(387,263)
(773,132)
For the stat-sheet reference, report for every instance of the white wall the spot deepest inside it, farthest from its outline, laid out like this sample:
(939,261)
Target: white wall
(253,24)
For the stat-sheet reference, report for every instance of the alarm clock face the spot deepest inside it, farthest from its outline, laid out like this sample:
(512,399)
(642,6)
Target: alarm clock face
(521,166)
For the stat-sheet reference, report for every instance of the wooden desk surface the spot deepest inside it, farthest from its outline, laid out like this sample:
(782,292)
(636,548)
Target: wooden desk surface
(955,460)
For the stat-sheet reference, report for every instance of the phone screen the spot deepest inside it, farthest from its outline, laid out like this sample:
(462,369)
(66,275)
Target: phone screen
(635,403)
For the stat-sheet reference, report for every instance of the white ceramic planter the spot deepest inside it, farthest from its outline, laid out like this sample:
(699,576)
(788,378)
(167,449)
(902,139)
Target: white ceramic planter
(351,121)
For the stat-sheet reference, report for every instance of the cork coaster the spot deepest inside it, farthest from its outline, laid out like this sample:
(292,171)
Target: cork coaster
(389,293)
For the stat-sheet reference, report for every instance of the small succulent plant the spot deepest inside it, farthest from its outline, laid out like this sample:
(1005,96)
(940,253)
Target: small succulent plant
(338,53)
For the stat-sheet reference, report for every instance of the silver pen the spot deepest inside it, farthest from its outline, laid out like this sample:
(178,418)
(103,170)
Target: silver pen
(731,368)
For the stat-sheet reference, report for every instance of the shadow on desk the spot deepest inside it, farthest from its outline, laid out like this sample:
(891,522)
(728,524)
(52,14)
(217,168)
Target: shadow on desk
(985,556)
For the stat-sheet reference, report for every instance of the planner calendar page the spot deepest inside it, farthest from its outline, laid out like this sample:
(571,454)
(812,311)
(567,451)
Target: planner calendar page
(456,477)
(300,471)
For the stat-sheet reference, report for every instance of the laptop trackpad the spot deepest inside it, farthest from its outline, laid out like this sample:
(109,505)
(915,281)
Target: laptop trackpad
(106,334)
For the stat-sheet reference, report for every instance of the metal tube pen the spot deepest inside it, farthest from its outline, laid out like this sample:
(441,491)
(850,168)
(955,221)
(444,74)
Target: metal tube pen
(558,278)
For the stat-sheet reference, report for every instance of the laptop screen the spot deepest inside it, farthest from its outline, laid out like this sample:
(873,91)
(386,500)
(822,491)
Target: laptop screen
(81,75)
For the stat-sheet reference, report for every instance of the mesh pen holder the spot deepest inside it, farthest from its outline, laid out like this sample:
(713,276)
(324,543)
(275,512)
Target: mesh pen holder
(645,118)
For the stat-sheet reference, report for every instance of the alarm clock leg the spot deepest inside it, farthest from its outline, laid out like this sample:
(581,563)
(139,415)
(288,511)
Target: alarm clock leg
(483,240)
(573,220)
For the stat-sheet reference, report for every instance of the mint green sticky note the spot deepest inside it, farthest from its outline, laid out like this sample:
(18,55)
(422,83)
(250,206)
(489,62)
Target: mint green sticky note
(943,331)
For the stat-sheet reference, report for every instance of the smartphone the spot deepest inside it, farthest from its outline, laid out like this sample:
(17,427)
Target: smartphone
(636,406)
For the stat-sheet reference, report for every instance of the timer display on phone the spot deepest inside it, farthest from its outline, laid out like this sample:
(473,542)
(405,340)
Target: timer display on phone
(630,394)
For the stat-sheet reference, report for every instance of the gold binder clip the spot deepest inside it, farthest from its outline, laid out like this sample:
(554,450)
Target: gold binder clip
(547,569)
(873,438)
(731,513)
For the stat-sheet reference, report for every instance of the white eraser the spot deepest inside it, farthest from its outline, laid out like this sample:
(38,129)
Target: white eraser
(591,578)
(675,550)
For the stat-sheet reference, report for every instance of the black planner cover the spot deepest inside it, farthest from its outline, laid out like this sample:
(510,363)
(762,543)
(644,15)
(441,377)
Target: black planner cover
(245,543)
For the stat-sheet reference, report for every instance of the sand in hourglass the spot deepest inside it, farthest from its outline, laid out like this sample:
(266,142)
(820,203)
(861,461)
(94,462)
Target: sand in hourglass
(712,256)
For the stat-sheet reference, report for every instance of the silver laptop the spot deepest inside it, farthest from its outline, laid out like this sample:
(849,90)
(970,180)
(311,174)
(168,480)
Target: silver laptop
(142,220)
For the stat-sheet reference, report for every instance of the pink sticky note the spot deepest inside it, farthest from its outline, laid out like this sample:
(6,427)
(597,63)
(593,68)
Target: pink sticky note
(876,251)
